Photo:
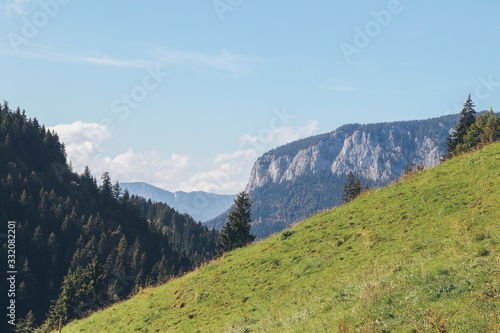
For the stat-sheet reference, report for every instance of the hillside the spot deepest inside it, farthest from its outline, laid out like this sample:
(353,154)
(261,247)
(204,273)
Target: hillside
(201,206)
(420,255)
(294,181)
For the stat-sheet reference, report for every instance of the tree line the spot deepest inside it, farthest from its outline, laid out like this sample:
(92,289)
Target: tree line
(473,132)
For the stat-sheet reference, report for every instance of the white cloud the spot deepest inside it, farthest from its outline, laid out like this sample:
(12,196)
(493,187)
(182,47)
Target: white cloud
(80,131)
(227,173)
(231,170)
(82,141)
(150,166)
(83,146)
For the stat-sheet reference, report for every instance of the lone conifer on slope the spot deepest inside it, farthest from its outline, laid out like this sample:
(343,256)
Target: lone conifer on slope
(236,232)
(352,188)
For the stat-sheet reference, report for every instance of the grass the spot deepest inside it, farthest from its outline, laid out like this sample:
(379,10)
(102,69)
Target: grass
(421,255)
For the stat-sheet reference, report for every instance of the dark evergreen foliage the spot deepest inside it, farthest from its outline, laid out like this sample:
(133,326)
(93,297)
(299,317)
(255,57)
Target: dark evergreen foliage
(236,232)
(473,132)
(352,188)
(80,246)
(484,131)
(468,117)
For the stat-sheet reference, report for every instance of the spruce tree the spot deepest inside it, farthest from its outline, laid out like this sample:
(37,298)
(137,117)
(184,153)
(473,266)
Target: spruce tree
(236,232)
(26,324)
(352,188)
(467,119)
(106,188)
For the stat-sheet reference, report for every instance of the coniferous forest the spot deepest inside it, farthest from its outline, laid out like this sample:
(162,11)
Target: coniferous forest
(82,244)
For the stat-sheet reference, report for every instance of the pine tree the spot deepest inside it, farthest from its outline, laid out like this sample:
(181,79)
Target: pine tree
(26,324)
(236,232)
(467,119)
(491,131)
(116,190)
(106,188)
(352,188)
(484,131)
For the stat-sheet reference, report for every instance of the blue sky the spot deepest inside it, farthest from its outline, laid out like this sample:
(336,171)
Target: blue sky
(187,94)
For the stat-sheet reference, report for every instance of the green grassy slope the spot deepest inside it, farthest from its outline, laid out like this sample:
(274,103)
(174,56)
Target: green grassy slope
(414,256)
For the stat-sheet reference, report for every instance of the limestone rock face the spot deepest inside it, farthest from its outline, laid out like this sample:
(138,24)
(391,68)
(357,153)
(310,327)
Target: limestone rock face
(378,152)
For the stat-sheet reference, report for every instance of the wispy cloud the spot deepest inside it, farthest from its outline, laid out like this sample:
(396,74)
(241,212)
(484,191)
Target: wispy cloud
(224,61)
(106,61)
(48,53)
(497,28)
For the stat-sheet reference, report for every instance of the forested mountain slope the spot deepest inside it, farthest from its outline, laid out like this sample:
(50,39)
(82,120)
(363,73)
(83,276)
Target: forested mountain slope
(80,246)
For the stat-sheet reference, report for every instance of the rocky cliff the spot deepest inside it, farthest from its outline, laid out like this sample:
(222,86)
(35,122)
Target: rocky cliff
(291,182)
(376,152)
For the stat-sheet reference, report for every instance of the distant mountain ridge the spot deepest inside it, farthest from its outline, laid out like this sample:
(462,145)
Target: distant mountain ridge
(377,152)
(291,182)
(202,206)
